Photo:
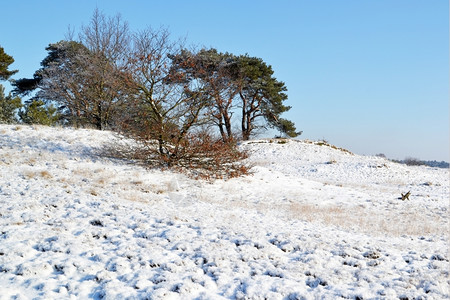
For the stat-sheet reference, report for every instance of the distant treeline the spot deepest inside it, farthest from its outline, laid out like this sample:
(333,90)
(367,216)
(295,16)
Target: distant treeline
(430,163)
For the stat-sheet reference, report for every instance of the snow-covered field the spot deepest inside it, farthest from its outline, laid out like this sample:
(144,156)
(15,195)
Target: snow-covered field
(311,222)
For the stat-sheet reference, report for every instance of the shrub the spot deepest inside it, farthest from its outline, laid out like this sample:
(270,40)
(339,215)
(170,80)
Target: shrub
(200,155)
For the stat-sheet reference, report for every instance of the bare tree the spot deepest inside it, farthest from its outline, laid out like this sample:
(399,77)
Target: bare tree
(107,41)
(166,109)
(107,37)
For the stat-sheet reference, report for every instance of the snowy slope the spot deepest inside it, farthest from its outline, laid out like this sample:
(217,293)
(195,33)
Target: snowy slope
(310,222)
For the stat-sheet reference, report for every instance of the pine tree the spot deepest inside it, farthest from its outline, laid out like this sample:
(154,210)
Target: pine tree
(5,61)
(215,71)
(262,97)
(36,112)
(8,107)
(232,82)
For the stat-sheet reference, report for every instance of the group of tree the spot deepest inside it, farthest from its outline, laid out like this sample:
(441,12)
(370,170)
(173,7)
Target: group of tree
(184,107)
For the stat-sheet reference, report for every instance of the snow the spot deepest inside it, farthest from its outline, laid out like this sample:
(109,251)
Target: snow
(311,221)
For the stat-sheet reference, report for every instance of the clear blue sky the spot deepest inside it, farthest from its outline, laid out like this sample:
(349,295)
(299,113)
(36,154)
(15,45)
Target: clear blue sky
(371,76)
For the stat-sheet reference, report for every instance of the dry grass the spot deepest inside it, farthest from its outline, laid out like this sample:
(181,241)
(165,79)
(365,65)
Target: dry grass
(358,218)
(82,172)
(135,196)
(31,161)
(137,182)
(45,174)
(29,174)
(325,143)
(310,212)
(102,180)
(10,157)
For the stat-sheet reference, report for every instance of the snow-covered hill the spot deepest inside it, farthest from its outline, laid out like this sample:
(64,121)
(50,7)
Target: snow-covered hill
(312,221)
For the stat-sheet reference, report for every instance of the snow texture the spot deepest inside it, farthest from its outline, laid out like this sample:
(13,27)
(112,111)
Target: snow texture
(311,222)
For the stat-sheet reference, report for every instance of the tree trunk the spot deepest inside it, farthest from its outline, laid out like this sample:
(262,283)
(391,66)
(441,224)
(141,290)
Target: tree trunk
(244,125)
(98,117)
(227,121)
(222,132)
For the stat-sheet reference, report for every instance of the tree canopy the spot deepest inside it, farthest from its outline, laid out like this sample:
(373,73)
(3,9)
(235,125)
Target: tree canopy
(215,71)
(85,79)
(238,81)
(109,70)
(261,94)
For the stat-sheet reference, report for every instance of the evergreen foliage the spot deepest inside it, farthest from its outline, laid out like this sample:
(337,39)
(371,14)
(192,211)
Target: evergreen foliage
(5,61)
(8,107)
(262,96)
(287,127)
(37,112)
(24,86)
